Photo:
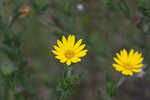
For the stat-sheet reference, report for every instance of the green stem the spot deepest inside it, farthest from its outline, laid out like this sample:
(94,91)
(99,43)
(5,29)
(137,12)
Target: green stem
(62,95)
(122,79)
(14,19)
(69,71)
(6,91)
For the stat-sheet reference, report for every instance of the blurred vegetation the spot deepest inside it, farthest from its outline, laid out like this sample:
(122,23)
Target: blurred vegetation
(30,28)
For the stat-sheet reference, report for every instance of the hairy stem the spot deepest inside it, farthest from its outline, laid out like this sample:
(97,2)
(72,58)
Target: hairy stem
(69,70)
(122,79)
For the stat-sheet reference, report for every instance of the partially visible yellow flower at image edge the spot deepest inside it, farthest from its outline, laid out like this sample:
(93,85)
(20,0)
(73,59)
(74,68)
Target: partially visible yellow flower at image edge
(128,63)
(68,51)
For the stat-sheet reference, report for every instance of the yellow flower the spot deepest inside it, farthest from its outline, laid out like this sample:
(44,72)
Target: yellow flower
(128,63)
(68,51)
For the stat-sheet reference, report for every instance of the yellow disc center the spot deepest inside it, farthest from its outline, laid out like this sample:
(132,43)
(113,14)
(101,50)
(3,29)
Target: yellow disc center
(128,66)
(69,54)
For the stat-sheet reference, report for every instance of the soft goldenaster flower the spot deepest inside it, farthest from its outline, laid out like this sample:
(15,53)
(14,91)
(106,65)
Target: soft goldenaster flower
(128,63)
(68,51)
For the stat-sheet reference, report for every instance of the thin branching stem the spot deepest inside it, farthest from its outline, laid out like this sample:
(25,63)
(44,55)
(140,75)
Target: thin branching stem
(62,95)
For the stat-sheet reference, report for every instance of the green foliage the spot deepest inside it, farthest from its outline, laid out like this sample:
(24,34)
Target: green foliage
(110,86)
(144,8)
(68,84)
(121,5)
(7,71)
(124,8)
(110,5)
(39,6)
(99,95)
(68,9)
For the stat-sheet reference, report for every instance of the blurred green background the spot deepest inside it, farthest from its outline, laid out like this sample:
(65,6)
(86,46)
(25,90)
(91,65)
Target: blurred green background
(106,26)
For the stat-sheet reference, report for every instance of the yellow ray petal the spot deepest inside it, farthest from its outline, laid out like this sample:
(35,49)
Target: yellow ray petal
(55,52)
(69,38)
(138,66)
(125,54)
(60,57)
(72,41)
(135,55)
(136,70)
(68,62)
(64,40)
(117,61)
(118,55)
(81,53)
(139,59)
(63,60)
(127,72)
(77,44)
(80,48)
(59,44)
(121,53)
(56,48)
(75,60)
(130,55)
(69,41)
(118,67)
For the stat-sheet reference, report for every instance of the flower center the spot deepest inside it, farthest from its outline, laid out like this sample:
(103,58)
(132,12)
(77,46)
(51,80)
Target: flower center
(128,66)
(69,54)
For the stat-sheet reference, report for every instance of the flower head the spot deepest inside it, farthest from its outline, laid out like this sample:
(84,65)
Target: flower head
(25,11)
(68,51)
(128,63)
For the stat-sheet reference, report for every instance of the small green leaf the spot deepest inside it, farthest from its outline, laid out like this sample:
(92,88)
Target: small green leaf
(68,9)
(7,70)
(81,75)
